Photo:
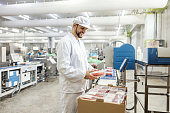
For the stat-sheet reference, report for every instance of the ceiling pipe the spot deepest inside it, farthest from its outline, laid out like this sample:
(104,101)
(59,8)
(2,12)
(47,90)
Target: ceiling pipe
(88,33)
(58,38)
(81,6)
(110,20)
(56,41)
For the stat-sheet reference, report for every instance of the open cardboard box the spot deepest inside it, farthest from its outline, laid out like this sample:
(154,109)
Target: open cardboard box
(99,106)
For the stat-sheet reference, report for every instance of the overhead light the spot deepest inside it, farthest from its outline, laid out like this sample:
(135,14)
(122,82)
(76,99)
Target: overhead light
(25,17)
(55,29)
(55,16)
(33,29)
(0,31)
(94,26)
(4,28)
(61,31)
(40,32)
(15,30)
(69,27)
(48,27)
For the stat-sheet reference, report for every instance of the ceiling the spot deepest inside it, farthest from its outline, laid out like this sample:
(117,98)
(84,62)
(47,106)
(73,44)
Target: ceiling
(120,29)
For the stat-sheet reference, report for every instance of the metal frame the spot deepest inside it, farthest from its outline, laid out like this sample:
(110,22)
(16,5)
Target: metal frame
(146,93)
(29,68)
(11,90)
(22,69)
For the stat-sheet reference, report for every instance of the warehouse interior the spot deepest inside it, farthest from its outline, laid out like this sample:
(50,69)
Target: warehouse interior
(128,41)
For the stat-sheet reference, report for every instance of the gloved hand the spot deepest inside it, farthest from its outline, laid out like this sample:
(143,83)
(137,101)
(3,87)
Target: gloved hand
(89,76)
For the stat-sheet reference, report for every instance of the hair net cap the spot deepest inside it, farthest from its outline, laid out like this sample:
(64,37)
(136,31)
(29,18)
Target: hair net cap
(83,21)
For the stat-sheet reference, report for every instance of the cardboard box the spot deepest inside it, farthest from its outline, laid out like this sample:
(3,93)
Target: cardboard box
(99,106)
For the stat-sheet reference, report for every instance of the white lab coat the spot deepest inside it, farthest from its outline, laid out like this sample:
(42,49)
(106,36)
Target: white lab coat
(72,65)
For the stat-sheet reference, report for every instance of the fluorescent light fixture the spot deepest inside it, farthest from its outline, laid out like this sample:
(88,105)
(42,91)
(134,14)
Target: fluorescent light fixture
(94,26)
(25,17)
(48,27)
(61,31)
(15,30)
(40,32)
(55,16)
(69,27)
(4,28)
(33,29)
(55,29)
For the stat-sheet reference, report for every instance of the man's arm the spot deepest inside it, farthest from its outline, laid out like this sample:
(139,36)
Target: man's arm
(63,63)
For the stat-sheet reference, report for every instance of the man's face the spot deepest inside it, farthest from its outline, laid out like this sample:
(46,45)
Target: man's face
(80,31)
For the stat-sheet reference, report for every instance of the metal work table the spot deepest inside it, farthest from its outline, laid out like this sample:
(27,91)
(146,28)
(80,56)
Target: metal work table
(146,93)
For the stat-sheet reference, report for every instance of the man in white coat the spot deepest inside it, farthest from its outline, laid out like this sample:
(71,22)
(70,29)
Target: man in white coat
(72,65)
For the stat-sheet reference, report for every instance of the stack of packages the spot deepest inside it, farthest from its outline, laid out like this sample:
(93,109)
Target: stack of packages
(116,95)
(109,74)
(109,71)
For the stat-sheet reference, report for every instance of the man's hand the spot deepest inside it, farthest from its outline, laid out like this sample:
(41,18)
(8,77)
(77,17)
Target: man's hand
(89,76)
(93,70)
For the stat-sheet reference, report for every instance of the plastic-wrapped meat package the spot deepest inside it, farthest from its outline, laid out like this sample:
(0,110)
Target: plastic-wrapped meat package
(113,89)
(121,93)
(91,93)
(108,94)
(99,94)
(102,90)
(88,97)
(108,99)
(109,70)
(118,99)
(98,73)
(101,87)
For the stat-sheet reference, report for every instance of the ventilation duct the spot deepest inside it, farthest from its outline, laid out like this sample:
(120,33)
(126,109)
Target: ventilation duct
(88,33)
(81,6)
(111,20)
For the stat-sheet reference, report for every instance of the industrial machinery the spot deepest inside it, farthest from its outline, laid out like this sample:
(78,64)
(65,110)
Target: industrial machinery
(157,55)
(120,53)
(9,80)
(40,72)
(108,53)
(28,75)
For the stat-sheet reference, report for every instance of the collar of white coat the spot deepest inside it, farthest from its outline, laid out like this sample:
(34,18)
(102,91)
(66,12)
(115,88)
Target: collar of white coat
(74,38)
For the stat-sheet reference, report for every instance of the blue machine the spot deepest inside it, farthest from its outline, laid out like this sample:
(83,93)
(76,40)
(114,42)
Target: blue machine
(120,53)
(151,55)
(13,78)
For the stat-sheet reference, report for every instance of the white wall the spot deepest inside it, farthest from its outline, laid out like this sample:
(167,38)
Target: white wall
(137,39)
(168,26)
(149,27)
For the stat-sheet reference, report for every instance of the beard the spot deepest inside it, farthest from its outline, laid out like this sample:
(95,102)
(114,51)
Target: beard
(79,34)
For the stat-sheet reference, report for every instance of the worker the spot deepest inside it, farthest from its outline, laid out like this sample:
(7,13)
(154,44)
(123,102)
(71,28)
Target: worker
(30,53)
(72,65)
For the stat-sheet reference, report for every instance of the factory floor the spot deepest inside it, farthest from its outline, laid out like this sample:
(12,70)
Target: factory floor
(45,98)
(42,98)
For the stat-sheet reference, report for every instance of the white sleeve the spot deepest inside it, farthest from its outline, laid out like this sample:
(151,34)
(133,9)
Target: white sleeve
(89,67)
(63,63)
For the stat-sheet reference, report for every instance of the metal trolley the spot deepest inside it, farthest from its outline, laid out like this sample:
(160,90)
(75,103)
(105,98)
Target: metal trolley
(146,93)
